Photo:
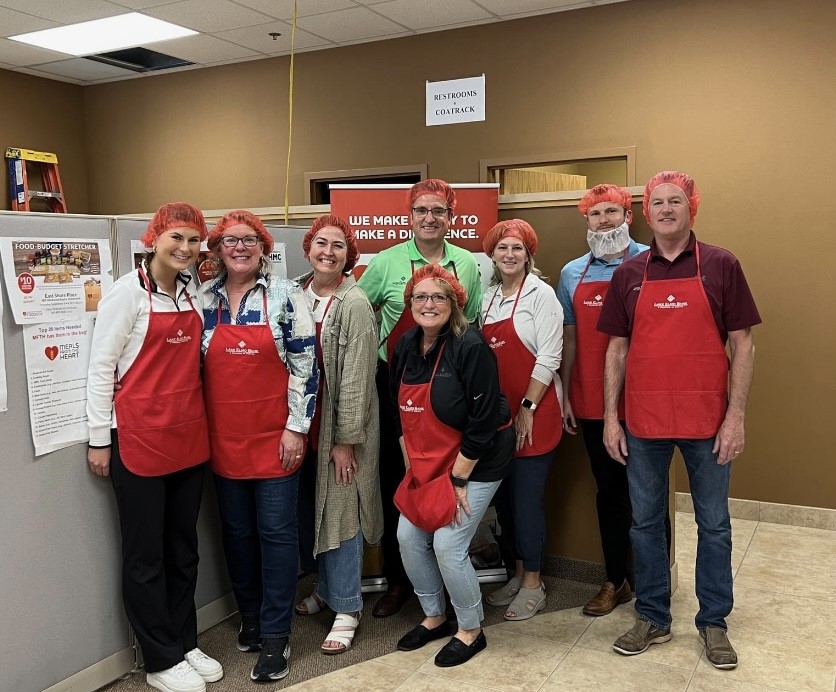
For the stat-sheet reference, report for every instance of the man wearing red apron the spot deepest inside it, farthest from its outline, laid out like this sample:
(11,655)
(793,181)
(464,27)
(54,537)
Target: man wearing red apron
(669,313)
(430,205)
(584,283)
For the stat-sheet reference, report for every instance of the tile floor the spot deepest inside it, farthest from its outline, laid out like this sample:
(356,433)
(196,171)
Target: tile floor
(783,627)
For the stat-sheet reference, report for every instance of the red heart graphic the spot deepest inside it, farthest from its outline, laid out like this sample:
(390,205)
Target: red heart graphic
(51,352)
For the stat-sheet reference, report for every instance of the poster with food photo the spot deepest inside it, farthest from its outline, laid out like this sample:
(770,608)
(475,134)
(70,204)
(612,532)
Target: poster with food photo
(54,279)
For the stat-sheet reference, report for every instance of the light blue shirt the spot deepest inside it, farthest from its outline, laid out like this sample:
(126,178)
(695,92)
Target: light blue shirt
(599,270)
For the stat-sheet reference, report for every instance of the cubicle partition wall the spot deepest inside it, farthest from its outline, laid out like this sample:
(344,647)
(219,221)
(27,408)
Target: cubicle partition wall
(65,628)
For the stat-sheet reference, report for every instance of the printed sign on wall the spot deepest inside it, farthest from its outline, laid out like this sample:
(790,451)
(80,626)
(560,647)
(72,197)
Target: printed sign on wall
(456,101)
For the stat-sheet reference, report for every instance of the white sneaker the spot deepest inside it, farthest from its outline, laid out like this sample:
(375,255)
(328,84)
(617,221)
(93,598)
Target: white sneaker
(179,678)
(207,668)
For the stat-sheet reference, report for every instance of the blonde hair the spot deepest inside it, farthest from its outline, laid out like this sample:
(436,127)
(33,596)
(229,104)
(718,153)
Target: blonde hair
(458,322)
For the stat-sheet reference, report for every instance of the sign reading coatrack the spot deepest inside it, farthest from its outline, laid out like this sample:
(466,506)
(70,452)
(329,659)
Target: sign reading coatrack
(456,101)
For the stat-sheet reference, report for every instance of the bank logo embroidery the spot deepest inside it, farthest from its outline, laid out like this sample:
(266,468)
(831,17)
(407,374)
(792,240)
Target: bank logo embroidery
(242,350)
(596,302)
(409,408)
(495,343)
(671,303)
(180,338)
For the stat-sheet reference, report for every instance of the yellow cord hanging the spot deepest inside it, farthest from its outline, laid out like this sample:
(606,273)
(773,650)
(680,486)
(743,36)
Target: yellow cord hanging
(289,118)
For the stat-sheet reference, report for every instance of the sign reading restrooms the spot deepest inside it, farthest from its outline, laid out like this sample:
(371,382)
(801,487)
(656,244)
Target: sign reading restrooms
(380,216)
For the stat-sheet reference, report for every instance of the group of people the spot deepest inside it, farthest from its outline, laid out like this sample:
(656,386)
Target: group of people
(327,427)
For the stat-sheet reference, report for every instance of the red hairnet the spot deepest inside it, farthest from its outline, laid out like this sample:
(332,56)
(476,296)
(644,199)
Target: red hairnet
(337,222)
(436,271)
(513,227)
(605,193)
(174,215)
(682,180)
(433,186)
(234,218)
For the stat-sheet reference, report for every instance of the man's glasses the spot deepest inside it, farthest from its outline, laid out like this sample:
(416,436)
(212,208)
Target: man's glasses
(437,212)
(232,241)
(435,298)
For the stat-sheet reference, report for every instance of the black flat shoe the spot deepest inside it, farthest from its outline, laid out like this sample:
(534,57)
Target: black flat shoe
(419,636)
(455,652)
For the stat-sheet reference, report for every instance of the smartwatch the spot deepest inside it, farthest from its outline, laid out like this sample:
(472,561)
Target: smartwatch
(529,404)
(458,481)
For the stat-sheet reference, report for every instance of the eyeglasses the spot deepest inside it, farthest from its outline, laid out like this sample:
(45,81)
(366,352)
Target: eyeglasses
(232,241)
(435,298)
(437,212)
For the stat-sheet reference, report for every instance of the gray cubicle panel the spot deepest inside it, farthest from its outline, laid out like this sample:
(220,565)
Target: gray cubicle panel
(60,600)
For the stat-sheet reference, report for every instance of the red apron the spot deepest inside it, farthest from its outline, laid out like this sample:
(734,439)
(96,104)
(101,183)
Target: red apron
(316,423)
(587,387)
(677,368)
(160,414)
(514,361)
(405,322)
(425,495)
(245,383)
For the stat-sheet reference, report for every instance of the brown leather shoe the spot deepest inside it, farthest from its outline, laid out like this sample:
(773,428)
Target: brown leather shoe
(607,599)
(392,601)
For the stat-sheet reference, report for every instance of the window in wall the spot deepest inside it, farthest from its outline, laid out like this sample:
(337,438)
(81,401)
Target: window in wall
(316,184)
(560,173)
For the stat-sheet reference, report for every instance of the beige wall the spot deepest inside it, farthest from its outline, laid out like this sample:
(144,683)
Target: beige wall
(740,95)
(45,115)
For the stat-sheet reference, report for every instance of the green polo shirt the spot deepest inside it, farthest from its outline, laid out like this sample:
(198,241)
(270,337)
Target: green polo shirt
(385,279)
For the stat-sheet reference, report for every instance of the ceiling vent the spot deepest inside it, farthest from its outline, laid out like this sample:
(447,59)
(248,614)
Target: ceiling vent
(139,60)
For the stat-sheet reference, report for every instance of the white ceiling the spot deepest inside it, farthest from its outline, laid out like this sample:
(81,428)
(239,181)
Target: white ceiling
(237,30)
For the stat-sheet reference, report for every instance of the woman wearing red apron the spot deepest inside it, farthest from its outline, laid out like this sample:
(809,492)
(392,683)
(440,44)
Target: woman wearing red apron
(150,436)
(523,324)
(339,495)
(457,443)
(260,377)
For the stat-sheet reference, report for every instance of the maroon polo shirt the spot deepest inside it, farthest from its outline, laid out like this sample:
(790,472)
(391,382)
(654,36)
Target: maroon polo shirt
(731,301)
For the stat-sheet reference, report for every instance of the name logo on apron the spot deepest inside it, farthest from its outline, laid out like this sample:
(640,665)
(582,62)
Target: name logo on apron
(409,408)
(495,343)
(671,304)
(241,349)
(180,338)
(596,302)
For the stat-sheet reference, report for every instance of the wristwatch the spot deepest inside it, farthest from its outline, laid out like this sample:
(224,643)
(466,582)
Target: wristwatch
(458,481)
(529,404)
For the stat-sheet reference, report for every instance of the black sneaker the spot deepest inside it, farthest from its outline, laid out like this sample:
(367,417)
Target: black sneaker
(249,636)
(272,661)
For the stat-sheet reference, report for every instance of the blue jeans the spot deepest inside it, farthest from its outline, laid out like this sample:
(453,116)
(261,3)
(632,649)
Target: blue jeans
(340,571)
(519,509)
(440,559)
(647,473)
(258,522)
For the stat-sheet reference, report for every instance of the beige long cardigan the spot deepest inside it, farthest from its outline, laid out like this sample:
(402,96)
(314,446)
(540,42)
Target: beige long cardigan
(349,416)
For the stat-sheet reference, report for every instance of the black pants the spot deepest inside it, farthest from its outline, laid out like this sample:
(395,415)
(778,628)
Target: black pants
(392,471)
(612,502)
(158,518)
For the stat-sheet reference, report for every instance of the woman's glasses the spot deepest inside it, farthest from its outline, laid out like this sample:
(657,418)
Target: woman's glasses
(435,298)
(232,241)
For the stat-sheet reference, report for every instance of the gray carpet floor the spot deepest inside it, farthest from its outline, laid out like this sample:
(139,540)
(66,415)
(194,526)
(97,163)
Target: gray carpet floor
(375,637)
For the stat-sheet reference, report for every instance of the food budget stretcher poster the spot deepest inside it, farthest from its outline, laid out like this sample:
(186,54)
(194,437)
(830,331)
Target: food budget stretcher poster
(55,279)
(57,359)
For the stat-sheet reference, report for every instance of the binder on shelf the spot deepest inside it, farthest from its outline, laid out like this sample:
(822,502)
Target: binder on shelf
(21,162)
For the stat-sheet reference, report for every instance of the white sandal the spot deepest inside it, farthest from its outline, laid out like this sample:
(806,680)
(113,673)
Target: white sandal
(504,594)
(310,605)
(342,631)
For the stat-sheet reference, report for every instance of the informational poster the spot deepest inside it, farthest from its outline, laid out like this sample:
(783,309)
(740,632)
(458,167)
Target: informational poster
(380,218)
(55,278)
(57,359)
(456,101)
(4,391)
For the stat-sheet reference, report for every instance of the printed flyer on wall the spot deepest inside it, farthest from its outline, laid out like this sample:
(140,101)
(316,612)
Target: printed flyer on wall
(52,279)
(57,358)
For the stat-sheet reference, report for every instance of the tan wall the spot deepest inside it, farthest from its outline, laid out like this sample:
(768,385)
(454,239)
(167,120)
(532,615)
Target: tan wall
(45,115)
(740,95)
